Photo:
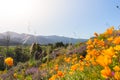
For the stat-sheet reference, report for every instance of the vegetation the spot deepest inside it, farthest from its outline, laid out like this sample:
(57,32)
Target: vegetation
(96,59)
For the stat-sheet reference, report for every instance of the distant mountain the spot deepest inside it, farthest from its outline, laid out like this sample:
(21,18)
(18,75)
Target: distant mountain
(16,39)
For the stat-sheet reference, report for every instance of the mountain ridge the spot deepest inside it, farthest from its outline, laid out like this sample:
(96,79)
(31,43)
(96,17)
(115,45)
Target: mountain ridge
(24,38)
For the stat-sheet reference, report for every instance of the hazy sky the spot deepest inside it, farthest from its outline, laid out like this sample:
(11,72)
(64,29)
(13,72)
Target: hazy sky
(71,18)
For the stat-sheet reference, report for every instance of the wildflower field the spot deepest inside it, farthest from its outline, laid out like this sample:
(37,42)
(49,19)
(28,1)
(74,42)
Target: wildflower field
(96,59)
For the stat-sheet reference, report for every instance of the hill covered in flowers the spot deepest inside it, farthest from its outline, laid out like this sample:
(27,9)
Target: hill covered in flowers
(99,60)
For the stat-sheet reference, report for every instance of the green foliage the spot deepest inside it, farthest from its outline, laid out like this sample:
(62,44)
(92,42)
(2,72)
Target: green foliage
(2,66)
(28,78)
(10,53)
(20,56)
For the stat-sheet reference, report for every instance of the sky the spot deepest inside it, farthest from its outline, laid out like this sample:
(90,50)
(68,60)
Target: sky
(69,18)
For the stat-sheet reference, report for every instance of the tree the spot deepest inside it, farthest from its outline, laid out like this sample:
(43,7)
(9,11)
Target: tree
(58,44)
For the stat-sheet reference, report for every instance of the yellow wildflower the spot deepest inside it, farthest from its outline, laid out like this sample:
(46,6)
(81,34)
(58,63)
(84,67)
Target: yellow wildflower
(116,68)
(89,42)
(9,61)
(60,74)
(110,52)
(110,39)
(116,40)
(103,60)
(106,72)
(74,67)
(81,57)
(94,63)
(117,75)
(67,60)
(81,68)
(117,47)
(90,46)
(109,31)
(53,77)
(56,67)
(101,43)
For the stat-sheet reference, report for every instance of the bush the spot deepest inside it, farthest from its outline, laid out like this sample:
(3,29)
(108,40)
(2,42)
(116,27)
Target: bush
(20,55)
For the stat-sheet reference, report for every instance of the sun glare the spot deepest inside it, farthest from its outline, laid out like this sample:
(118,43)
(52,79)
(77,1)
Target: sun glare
(14,8)
(14,14)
